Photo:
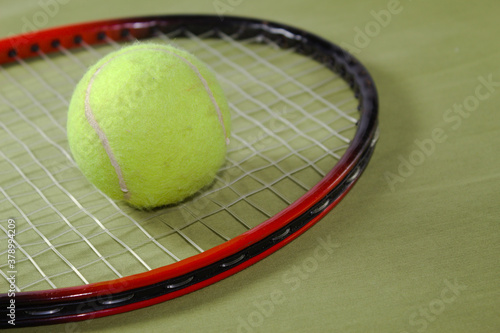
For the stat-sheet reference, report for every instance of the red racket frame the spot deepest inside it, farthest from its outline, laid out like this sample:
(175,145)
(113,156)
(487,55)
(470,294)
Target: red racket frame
(34,307)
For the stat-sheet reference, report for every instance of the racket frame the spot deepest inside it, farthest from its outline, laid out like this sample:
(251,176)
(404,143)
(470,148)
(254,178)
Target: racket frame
(164,283)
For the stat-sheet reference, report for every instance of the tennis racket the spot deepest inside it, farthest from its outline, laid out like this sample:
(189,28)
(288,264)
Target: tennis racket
(304,116)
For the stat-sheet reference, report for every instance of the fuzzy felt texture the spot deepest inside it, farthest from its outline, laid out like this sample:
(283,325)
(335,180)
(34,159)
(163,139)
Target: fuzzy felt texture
(149,124)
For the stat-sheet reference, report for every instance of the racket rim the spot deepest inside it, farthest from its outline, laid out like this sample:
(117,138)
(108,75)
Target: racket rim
(363,141)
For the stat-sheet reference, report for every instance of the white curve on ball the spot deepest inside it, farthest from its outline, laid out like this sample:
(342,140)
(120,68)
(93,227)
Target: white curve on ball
(102,136)
(205,85)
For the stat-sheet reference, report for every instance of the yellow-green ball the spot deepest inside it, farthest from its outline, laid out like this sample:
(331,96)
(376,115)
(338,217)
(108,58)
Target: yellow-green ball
(149,124)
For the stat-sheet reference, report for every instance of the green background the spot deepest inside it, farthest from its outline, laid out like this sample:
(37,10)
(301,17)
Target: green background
(398,242)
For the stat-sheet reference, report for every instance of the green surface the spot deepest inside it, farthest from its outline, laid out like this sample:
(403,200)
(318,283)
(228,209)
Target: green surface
(419,253)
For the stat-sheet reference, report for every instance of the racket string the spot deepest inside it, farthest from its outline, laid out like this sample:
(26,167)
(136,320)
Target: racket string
(276,137)
(271,89)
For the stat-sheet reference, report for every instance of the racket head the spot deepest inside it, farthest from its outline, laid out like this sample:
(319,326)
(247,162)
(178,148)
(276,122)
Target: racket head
(236,253)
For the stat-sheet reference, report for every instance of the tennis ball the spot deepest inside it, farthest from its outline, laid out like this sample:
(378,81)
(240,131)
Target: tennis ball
(149,124)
